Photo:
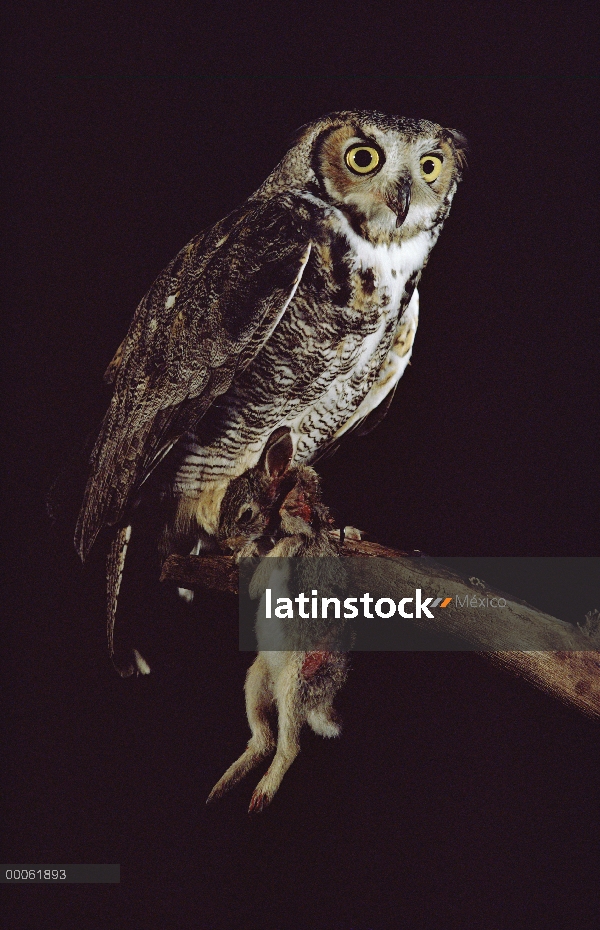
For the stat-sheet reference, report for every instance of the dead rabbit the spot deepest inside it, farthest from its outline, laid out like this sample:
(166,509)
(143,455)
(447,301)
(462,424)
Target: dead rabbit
(276,510)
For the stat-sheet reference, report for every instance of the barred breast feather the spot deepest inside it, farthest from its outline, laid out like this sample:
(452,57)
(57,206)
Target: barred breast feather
(340,341)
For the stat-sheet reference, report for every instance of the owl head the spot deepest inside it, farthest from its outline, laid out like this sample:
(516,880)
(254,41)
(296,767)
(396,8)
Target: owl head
(386,173)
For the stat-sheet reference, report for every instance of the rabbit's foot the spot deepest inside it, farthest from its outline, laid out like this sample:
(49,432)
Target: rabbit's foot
(260,801)
(269,784)
(240,768)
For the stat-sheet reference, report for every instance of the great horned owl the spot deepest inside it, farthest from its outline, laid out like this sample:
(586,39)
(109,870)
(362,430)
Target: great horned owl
(297,310)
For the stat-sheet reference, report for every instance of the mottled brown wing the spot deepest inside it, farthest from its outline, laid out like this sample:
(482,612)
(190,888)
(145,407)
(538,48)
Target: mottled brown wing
(204,318)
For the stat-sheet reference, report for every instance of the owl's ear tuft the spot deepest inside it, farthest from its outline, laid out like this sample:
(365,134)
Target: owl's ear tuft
(460,145)
(278,453)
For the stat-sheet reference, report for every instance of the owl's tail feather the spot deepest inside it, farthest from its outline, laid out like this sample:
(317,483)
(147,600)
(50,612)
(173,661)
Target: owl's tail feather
(134,663)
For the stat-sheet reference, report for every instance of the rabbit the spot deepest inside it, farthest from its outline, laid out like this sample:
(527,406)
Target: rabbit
(276,510)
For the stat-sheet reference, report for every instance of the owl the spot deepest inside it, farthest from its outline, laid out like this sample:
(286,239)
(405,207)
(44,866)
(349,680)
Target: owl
(298,311)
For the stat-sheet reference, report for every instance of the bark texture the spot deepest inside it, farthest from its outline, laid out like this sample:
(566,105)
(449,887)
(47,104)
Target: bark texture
(558,658)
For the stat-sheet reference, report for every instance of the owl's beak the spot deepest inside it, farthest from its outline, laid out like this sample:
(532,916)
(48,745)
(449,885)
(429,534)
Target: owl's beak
(399,202)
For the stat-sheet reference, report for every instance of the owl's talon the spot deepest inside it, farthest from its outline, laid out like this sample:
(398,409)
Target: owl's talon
(351,532)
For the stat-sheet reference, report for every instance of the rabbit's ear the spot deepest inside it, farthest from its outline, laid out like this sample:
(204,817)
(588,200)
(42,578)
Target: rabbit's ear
(278,453)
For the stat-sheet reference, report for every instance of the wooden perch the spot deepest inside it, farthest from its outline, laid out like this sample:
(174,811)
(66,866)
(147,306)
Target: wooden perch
(562,660)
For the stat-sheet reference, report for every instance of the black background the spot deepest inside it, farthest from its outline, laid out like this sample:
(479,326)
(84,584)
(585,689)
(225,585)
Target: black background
(456,796)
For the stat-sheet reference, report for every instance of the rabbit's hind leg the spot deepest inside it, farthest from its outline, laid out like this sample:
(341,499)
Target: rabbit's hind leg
(290,719)
(259,698)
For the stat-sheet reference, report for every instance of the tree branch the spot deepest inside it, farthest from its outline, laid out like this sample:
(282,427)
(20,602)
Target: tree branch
(561,660)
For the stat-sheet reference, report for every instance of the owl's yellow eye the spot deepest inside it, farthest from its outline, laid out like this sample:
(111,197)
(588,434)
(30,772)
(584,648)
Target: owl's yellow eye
(431,166)
(363,159)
